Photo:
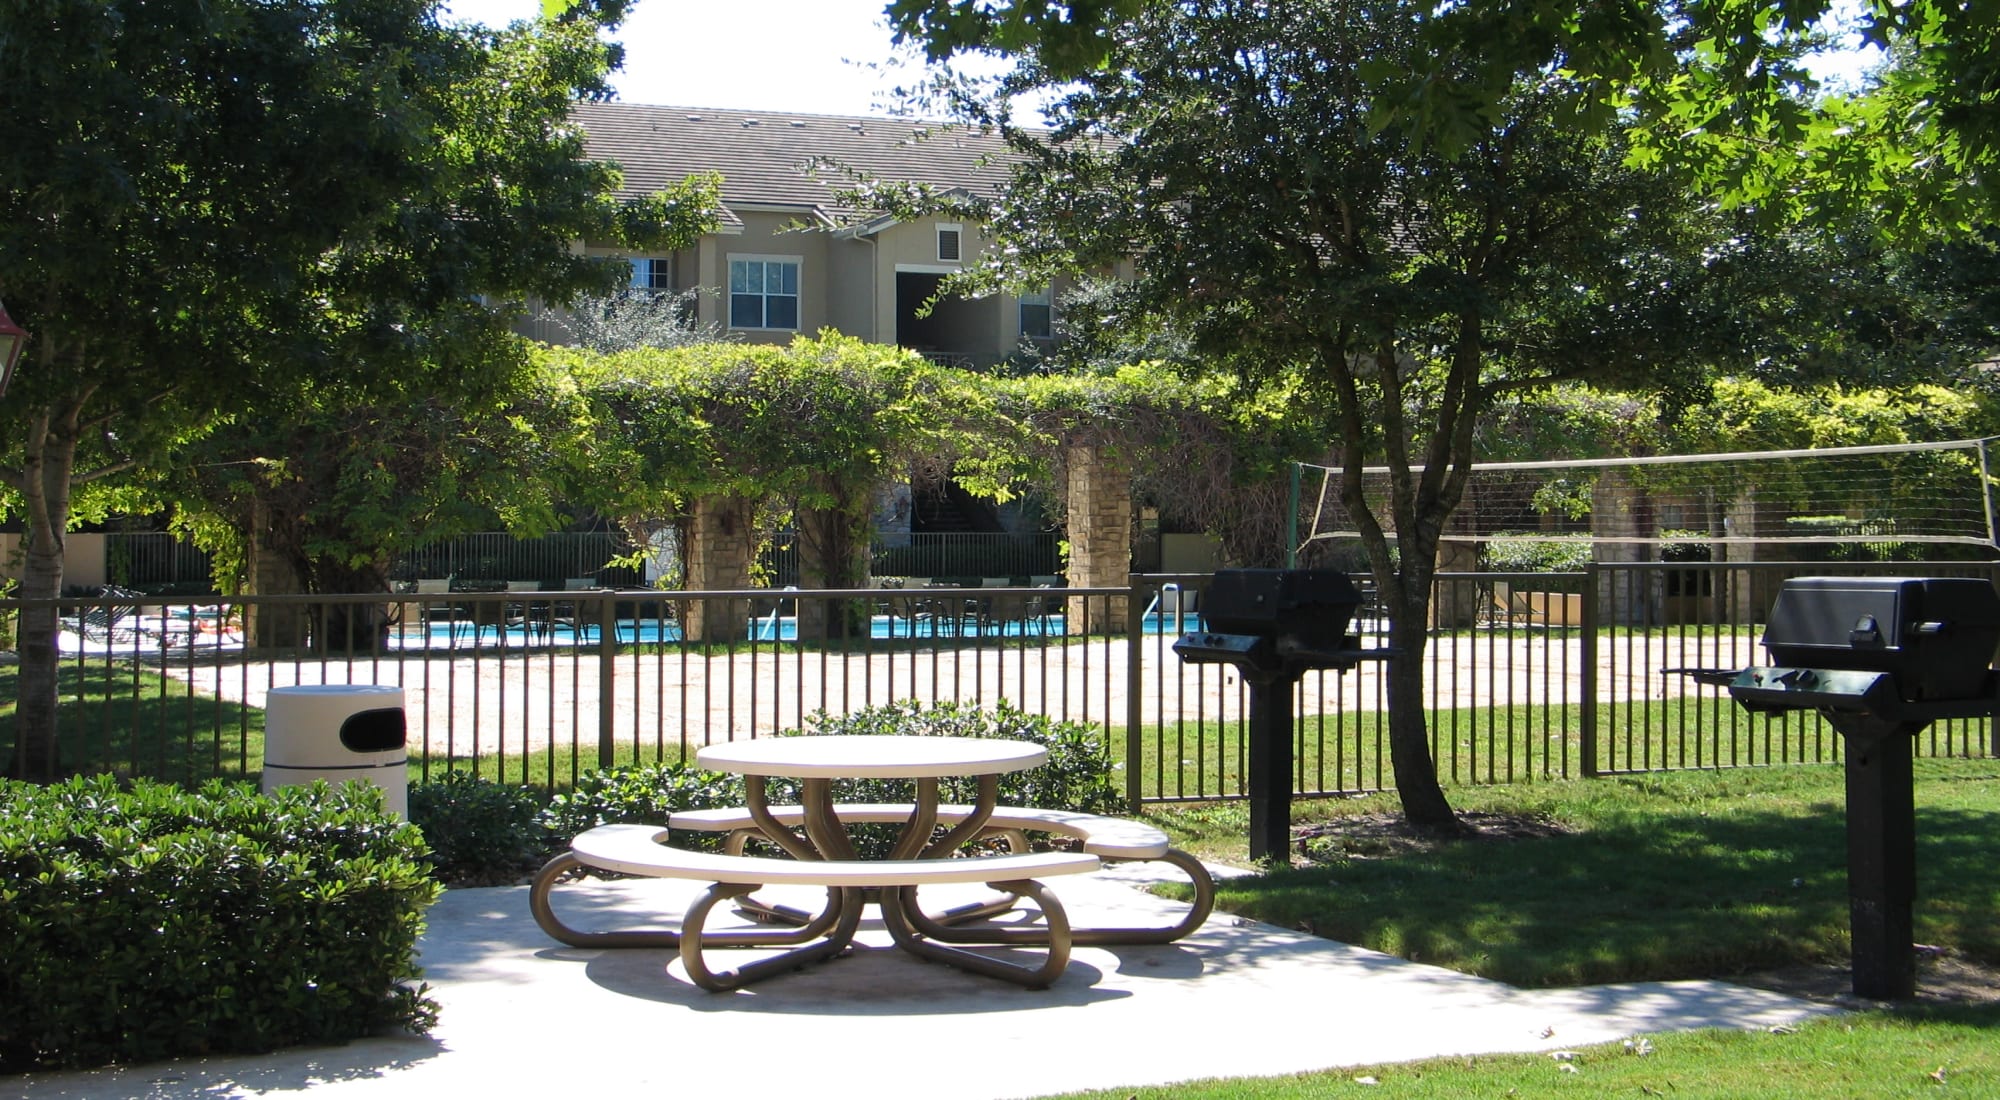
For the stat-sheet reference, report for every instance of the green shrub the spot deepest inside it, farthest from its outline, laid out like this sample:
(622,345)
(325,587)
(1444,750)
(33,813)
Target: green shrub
(1076,777)
(1535,556)
(480,833)
(154,922)
(645,794)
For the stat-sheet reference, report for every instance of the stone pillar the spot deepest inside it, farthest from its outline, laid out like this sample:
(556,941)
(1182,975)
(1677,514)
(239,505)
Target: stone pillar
(1751,591)
(1100,536)
(267,572)
(722,546)
(1620,510)
(1455,602)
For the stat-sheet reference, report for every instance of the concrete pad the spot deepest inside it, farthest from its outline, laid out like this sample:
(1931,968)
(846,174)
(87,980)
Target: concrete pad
(523,1015)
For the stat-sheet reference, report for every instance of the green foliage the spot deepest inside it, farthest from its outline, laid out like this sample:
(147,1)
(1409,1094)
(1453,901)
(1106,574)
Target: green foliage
(1077,775)
(152,922)
(647,794)
(1504,555)
(1722,89)
(1210,452)
(480,833)
(807,432)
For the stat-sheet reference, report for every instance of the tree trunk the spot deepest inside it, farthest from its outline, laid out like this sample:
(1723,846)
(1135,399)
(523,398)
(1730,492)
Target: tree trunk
(1423,799)
(49,459)
(834,554)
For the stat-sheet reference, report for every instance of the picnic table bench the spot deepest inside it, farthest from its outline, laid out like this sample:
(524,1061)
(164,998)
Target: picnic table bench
(1111,839)
(640,850)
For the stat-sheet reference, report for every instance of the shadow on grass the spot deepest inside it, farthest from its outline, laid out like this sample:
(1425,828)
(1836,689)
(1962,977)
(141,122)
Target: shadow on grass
(1673,895)
(121,718)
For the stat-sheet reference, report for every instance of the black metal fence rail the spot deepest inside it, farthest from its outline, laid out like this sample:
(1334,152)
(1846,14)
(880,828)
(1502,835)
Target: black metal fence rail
(1524,684)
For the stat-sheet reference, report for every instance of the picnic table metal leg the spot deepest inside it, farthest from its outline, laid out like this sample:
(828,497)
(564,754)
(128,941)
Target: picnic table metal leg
(759,805)
(843,906)
(926,938)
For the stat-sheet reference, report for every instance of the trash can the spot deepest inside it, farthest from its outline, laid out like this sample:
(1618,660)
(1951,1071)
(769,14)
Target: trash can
(338,732)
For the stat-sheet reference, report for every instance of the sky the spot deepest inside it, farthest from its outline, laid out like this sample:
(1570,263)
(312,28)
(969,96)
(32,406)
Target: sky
(813,56)
(690,53)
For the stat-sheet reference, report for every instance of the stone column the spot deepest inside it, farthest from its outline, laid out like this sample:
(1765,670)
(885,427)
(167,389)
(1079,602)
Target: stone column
(1100,536)
(1618,509)
(721,549)
(1752,591)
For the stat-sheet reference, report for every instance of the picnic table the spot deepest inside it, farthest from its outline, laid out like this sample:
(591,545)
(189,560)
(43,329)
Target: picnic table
(818,761)
(822,855)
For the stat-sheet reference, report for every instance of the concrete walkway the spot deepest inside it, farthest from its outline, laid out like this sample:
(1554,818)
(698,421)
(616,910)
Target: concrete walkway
(524,1016)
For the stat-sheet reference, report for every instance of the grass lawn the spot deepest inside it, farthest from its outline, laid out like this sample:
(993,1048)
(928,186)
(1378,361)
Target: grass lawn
(118,717)
(1926,1052)
(1683,875)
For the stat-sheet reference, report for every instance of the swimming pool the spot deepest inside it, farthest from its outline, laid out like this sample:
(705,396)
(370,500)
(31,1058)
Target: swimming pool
(463,634)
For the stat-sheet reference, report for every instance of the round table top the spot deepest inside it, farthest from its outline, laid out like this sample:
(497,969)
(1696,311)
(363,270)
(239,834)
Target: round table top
(870,757)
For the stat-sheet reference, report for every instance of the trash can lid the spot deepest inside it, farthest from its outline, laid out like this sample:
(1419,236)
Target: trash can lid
(336,689)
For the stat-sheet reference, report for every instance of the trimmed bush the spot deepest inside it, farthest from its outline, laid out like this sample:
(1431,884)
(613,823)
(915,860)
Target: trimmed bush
(646,795)
(155,922)
(480,833)
(1076,777)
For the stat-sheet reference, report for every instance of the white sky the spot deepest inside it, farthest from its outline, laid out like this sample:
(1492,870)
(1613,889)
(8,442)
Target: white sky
(809,54)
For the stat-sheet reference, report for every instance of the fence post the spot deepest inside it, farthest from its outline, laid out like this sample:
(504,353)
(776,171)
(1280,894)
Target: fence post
(1587,680)
(607,689)
(1135,710)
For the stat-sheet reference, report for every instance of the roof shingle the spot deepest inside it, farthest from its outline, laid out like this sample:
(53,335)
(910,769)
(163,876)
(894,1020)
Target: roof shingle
(766,157)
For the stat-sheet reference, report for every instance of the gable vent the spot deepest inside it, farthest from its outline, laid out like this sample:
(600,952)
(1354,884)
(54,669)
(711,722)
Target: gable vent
(948,243)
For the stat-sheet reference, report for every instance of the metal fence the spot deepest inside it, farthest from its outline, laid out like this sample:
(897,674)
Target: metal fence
(161,564)
(1524,684)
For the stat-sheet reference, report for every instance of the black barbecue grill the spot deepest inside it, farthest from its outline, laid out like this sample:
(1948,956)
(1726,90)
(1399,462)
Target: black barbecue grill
(1879,658)
(1273,626)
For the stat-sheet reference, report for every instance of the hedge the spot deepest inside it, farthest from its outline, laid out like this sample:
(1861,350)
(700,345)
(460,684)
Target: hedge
(153,922)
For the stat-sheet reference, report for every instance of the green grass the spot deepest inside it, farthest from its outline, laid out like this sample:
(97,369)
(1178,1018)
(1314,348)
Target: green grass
(1940,1052)
(118,717)
(1507,745)
(1755,859)
(1682,875)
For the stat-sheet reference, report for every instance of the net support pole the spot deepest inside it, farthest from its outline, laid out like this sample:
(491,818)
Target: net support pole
(1292,516)
(1985,491)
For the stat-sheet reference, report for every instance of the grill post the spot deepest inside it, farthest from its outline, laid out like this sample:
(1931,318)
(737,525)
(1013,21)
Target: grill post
(1882,860)
(1880,658)
(1270,780)
(1273,626)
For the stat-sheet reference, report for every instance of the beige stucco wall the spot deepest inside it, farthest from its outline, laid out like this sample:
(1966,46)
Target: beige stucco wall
(83,558)
(846,282)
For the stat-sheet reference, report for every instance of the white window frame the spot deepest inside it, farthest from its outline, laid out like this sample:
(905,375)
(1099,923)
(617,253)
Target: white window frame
(1046,299)
(957,231)
(797,263)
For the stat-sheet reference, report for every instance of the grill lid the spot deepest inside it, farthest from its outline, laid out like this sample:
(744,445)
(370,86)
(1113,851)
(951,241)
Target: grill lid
(1936,636)
(1310,607)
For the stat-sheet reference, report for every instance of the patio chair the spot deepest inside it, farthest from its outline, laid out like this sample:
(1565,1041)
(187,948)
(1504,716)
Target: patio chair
(999,612)
(429,611)
(107,622)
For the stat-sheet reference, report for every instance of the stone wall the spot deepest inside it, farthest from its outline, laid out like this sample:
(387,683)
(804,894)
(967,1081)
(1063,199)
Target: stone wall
(721,549)
(1620,509)
(1100,536)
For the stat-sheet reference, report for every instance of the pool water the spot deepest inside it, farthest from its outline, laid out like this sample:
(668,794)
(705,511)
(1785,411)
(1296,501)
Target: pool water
(463,635)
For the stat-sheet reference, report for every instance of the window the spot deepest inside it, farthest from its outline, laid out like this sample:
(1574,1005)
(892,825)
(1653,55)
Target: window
(949,239)
(653,274)
(1037,315)
(764,292)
